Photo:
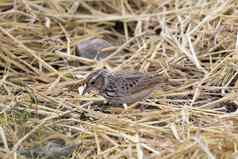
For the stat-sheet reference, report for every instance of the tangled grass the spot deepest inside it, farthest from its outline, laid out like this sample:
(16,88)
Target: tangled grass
(194,43)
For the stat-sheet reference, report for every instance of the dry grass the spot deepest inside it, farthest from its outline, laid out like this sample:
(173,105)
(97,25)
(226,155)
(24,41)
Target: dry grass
(193,42)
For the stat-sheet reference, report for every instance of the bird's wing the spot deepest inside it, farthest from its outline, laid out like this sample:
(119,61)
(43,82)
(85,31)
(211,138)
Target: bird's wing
(135,82)
(144,82)
(131,82)
(125,81)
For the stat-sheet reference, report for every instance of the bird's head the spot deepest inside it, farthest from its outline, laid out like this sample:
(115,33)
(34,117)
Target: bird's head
(96,80)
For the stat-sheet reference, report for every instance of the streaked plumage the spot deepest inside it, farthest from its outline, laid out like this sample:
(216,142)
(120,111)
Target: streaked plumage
(122,88)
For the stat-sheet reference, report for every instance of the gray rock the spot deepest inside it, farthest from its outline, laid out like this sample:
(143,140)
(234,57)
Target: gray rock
(92,48)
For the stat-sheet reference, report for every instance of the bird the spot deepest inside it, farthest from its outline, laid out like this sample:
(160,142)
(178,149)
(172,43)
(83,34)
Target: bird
(123,87)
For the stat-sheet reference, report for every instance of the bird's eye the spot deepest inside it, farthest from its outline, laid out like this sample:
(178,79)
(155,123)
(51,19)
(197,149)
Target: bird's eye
(93,82)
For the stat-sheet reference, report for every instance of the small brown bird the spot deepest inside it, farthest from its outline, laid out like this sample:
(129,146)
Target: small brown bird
(122,88)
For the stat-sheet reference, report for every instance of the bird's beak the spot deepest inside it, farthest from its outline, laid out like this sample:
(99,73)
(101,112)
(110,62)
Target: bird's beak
(85,90)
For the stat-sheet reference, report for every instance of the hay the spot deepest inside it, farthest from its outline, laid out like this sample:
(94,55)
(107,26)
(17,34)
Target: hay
(193,43)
